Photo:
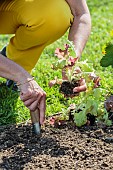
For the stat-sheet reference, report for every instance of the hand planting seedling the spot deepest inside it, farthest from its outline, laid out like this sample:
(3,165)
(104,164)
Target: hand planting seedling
(71,75)
(74,72)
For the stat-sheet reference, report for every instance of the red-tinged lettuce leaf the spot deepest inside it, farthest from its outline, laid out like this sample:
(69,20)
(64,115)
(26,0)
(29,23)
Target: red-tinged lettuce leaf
(72,61)
(56,121)
(52,83)
(55,81)
(61,54)
(96,82)
(107,59)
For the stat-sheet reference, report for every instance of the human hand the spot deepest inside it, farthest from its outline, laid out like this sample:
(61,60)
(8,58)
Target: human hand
(80,88)
(81,84)
(76,90)
(34,97)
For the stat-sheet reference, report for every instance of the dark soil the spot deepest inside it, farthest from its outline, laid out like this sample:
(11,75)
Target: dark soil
(64,148)
(67,87)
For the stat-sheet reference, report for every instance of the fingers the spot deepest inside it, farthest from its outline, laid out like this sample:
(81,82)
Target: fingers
(34,93)
(33,106)
(34,98)
(39,103)
(82,87)
(31,101)
(26,95)
(42,108)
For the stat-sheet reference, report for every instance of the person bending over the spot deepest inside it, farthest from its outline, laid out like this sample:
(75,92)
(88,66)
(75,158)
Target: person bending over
(35,24)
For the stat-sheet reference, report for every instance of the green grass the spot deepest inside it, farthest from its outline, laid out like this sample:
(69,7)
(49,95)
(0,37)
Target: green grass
(12,109)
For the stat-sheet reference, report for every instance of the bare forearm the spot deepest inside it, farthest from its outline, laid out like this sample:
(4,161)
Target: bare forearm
(31,93)
(11,70)
(80,32)
(81,27)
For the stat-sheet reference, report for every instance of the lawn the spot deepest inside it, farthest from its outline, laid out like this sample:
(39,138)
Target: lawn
(12,109)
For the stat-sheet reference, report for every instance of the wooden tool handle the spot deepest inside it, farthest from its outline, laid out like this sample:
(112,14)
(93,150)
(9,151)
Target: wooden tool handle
(35,118)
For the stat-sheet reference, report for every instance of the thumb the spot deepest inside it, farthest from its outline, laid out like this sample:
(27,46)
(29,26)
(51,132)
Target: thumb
(81,88)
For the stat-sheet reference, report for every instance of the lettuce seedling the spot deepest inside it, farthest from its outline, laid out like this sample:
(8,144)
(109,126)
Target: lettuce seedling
(71,71)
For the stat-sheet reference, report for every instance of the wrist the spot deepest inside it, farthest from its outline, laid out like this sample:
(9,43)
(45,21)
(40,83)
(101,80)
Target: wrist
(24,82)
(23,77)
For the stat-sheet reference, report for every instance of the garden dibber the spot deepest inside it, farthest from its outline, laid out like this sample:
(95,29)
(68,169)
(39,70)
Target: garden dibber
(36,122)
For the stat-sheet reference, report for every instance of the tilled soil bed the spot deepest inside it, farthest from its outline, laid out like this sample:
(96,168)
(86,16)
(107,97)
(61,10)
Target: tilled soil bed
(64,148)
